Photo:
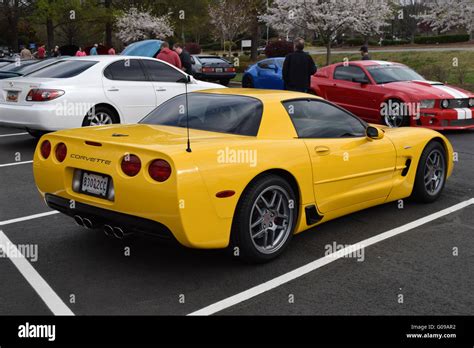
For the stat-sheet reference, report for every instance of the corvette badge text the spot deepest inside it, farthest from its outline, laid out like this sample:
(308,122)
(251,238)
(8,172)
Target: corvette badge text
(90,159)
(28,330)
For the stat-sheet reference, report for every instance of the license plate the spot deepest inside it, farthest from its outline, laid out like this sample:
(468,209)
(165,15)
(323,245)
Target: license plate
(219,70)
(12,96)
(95,184)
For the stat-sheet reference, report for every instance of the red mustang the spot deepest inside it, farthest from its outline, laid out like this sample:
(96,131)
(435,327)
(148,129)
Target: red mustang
(393,94)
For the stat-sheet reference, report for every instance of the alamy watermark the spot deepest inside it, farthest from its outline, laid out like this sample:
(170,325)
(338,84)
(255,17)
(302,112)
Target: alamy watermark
(237,156)
(11,250)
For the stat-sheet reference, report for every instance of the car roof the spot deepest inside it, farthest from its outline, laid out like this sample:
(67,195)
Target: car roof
(261,94)
(367,63)
(106,58)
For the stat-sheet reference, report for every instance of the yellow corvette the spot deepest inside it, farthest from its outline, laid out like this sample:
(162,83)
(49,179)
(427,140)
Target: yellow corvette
(259,167)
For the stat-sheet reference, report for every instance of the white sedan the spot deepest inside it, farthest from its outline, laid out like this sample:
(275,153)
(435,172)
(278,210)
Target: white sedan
(88,91)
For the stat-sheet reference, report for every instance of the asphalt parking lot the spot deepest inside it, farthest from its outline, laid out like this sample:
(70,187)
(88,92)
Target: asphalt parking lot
(425,270)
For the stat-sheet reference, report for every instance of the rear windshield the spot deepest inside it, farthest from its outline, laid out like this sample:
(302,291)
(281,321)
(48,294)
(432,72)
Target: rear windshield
(210,112)
(64,69)
(18,66)
(213,60)
(26,68)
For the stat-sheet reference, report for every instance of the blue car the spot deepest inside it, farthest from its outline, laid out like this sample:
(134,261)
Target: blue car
(266,74)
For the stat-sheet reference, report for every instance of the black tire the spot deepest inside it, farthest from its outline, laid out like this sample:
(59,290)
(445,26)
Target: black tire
(421,193)
(248,211)
(95,114)
(224,82)
(402,121)
(247,82)
(36,133)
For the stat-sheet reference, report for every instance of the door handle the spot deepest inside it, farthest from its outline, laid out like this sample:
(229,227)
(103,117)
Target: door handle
(322,150)
(113,89)
(161,89)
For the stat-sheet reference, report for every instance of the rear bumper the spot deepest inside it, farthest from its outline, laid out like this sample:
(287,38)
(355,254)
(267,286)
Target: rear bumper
(101,217)
(43,117)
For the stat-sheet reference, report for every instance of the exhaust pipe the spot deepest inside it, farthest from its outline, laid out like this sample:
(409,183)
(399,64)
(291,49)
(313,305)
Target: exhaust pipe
(79,220)
(109,231)
(120,234)
(88,223)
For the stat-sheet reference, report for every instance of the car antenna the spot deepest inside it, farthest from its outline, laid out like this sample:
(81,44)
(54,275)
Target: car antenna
(188,80)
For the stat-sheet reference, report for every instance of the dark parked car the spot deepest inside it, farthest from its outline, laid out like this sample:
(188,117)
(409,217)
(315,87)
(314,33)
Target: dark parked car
(23,67)
(212,68)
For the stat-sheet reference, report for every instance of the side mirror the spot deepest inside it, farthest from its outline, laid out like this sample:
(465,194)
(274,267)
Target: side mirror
(361,80)
(374,133)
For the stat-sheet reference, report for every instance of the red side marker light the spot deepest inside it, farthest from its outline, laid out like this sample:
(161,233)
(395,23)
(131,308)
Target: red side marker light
(225,194)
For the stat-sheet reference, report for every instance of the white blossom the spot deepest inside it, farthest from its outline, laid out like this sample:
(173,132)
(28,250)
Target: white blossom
(136,25)
(328,18)
(445,15)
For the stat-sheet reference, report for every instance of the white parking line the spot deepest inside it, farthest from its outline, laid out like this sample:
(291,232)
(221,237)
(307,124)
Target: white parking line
(12,135)
(42,288)
(301,271)
(15,164)
(26,218)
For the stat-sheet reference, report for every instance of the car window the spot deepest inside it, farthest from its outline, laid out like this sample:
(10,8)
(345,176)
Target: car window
(393,73)
(210,112)
(125,70)
(26,69)
(64,69)
(347,73)
(213,60)
(158,71)
(18,66)
(265,63)
(319,119)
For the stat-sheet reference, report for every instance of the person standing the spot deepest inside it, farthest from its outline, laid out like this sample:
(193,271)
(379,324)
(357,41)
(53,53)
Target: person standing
(25,53)
(56,52)
(169,56)
(80,53)
(93,51)
(298,69)
(185,58)
(364,52)
(41,52)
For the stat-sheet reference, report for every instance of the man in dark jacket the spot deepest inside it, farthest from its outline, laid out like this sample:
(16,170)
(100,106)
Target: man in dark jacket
(185,58)
(364,52)
(298,69)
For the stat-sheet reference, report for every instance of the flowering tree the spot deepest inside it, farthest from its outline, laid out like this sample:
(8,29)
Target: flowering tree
(372,17)
(328,18)
(230,19)
(445,15)
(138,25)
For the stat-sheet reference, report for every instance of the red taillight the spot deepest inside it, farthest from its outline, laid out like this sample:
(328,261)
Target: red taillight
(208,70)
(41,95)
(230,69)
(159,170)
(61,152)
(45,149)
(131,165)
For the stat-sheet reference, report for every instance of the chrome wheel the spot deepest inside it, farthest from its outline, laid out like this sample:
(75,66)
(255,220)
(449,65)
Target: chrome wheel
(434,174)
(100,119)
(394,121)
(271,219)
